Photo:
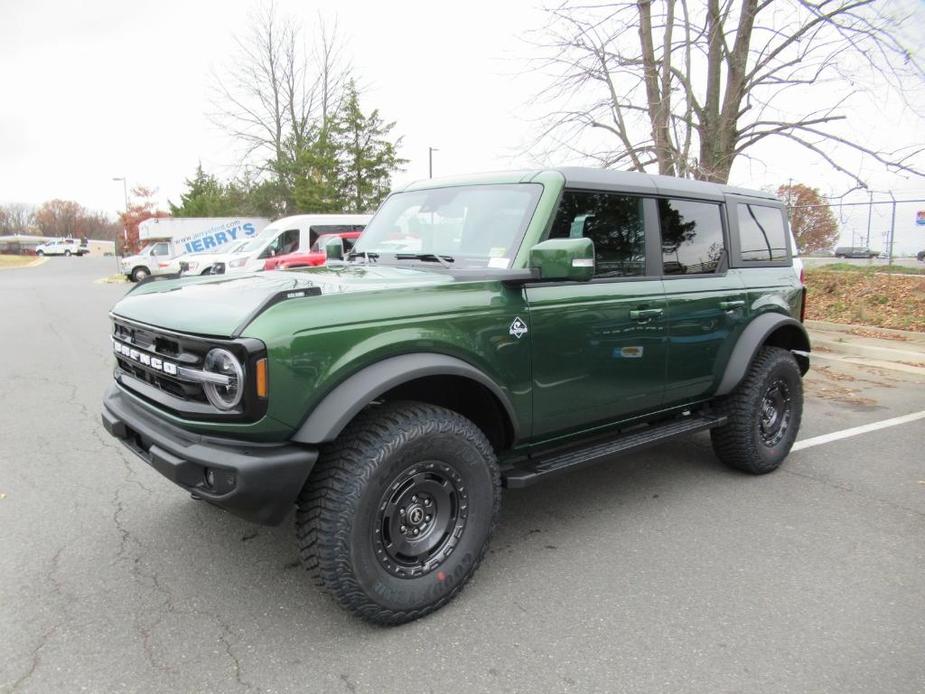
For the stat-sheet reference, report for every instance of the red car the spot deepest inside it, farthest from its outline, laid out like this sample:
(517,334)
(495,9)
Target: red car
(315,256)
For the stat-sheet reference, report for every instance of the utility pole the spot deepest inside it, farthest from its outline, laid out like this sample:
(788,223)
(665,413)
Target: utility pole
(430,161)
(892,227)
(870,209)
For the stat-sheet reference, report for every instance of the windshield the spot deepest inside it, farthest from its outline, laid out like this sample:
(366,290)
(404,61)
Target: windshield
(478,226)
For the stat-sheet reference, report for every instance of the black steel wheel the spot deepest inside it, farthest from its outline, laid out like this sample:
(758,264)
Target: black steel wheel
(763,412)
(776,412)
(422,514)
(396,515)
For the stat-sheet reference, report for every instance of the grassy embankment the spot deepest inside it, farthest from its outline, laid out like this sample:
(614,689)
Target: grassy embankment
(15,261)
(874,296)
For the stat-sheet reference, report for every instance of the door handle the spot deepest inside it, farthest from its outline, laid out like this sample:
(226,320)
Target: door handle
(645,313)
(731,305)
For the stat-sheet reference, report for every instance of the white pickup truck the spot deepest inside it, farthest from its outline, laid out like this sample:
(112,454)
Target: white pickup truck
(65,247)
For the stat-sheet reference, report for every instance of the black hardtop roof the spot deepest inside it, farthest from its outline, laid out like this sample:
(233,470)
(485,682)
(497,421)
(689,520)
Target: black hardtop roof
(635,182)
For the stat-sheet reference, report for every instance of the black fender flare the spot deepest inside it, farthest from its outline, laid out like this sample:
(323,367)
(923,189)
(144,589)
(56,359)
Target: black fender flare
(345,401)
(751,340)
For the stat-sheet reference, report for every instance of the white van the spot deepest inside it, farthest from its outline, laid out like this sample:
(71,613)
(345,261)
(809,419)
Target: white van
(286,235)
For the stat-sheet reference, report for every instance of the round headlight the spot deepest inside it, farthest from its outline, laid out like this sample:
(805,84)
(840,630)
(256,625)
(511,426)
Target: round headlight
(227,395)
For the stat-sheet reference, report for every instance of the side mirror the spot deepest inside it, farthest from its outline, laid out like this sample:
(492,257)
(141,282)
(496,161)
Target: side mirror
(564,259)
(334,249)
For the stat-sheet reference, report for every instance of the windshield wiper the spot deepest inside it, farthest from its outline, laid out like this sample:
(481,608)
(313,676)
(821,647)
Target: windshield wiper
(362,254)
(444,260)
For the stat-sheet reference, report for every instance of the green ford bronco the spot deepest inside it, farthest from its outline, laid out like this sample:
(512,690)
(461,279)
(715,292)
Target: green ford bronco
(486,332)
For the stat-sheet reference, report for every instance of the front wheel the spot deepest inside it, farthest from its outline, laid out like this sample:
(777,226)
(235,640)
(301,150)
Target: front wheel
(139,273)
(396,515)
(764,413)
(67,254)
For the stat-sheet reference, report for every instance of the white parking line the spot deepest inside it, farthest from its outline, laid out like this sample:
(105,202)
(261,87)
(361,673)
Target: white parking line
(854,431)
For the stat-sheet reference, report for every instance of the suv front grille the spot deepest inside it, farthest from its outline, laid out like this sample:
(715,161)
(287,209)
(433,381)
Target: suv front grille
(150,363)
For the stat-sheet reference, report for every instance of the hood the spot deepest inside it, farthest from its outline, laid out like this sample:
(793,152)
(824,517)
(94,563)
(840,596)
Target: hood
(219,305)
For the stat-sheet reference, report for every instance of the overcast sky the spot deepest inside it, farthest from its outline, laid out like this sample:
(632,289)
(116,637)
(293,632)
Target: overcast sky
(94,90)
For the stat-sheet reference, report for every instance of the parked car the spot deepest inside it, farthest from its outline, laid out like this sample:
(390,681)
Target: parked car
(855,252)
(317,255)
(294,234)
(484,333)
(65,247)
(200,263)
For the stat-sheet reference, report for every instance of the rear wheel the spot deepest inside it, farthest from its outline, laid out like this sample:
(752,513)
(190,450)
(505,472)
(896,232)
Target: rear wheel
(67,254)
(764,414)
(40,252)
(397,513)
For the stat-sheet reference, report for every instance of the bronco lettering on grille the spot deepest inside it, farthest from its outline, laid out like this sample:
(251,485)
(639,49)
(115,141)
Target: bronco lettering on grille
(155,363)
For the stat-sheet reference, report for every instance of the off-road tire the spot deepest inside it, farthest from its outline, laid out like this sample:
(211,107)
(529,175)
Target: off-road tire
(339,521)
(741,443)
(140,273)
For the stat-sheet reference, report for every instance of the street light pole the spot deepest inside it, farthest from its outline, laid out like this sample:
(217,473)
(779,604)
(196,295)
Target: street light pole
(430,161)
(125,199)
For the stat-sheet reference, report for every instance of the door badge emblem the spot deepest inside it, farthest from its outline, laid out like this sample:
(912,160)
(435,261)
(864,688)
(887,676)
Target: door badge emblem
(518,328)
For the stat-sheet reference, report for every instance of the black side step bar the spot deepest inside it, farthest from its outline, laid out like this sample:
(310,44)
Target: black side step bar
(542,467)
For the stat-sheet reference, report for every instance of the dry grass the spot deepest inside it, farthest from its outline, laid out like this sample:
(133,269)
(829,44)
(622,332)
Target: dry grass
(873,299)
(7,261)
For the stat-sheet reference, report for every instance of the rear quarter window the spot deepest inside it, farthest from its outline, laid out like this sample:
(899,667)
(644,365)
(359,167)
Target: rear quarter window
(762,236)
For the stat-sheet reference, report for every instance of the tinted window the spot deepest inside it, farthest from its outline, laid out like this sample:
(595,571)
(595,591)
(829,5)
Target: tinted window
(159,249)
(287,242)
(692,236)
(761,233)
(613,222)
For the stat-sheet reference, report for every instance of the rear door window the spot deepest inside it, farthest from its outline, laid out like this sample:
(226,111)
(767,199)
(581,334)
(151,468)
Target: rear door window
(762,237)
(692,236)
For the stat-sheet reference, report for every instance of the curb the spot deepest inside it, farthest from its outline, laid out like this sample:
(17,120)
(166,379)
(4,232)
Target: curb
(905,335)
(867,351)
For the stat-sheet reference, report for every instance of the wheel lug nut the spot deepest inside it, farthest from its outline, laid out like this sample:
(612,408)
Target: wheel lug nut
(414,497)
(427,502)
(416,531)
(401,511)
(404,529)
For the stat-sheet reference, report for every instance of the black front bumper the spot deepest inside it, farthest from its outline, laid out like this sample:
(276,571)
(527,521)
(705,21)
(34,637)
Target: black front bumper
(258,482)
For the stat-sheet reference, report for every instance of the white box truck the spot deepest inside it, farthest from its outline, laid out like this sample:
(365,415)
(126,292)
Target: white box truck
(168,237)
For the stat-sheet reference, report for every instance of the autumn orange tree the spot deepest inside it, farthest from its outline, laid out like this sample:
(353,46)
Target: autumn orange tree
(811,218)
(142,206)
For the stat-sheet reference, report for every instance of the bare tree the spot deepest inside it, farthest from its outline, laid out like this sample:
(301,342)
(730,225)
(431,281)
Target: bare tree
(686,88)
(16,218)
(278,92)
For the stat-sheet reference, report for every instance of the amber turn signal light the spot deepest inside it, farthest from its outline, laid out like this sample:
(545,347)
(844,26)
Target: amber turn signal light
(262,378)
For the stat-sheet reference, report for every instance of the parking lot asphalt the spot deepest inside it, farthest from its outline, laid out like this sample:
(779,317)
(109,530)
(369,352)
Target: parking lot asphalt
(656,572)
